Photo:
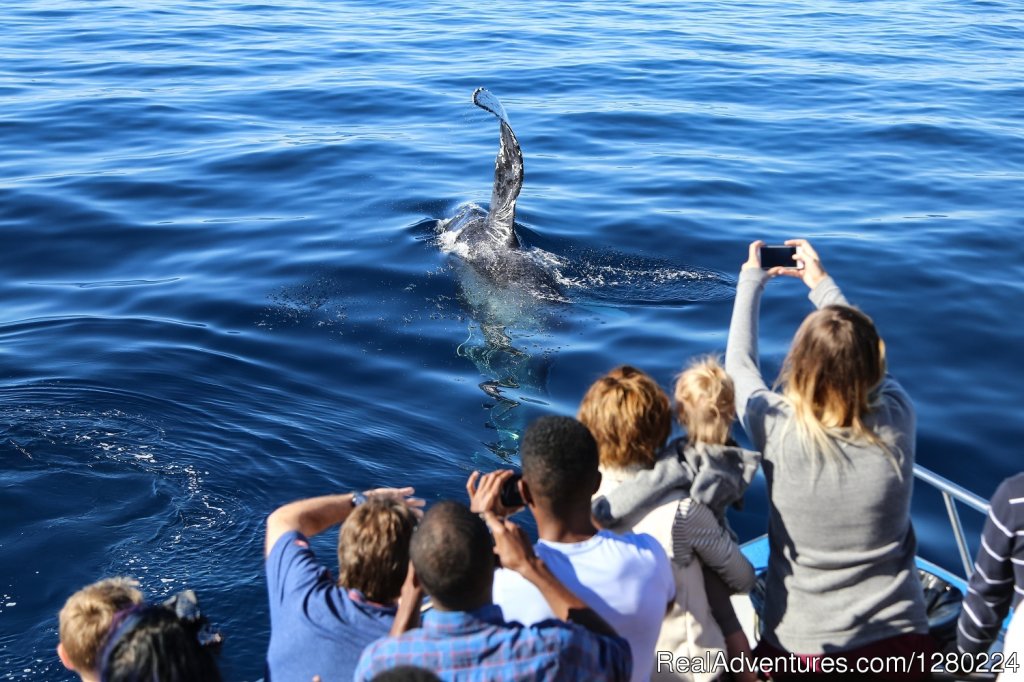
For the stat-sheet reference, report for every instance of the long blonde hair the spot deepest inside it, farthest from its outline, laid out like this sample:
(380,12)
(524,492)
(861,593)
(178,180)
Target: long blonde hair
(829,378)
(705,402)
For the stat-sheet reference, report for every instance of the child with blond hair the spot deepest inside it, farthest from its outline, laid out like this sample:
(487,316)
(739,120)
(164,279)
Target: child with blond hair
(678,493)
(85,623)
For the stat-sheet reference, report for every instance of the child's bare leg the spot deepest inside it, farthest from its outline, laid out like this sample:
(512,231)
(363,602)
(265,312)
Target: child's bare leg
(736,644)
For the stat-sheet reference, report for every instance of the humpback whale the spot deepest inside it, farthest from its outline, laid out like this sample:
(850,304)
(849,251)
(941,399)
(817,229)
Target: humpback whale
(487,241)
(514,292)
(504,285)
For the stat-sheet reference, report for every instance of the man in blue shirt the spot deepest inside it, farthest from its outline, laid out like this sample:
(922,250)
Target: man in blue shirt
(464,637)
(319,626)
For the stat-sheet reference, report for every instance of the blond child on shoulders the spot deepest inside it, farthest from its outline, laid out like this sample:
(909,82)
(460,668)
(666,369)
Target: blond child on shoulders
(700,474)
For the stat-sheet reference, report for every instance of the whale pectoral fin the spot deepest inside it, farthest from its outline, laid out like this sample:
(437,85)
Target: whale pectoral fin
(508,175)
(508,180)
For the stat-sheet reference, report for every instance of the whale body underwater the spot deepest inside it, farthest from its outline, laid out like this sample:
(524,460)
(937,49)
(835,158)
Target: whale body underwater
(487,240)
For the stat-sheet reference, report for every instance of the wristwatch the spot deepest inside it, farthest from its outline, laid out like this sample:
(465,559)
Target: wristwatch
(358,499)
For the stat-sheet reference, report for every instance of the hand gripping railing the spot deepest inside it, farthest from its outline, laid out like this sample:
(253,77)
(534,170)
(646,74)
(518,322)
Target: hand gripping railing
(951,494)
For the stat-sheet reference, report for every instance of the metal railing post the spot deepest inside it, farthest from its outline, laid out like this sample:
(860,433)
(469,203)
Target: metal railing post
(951,494)
(958,531)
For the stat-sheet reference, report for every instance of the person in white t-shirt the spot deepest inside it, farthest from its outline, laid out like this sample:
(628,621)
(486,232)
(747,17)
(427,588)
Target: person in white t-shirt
(627,579)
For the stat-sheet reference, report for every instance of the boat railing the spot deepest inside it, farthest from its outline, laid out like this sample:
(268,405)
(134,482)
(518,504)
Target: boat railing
(951,495)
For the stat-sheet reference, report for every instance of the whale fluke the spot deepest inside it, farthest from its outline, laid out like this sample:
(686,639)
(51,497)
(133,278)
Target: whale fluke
(508,175)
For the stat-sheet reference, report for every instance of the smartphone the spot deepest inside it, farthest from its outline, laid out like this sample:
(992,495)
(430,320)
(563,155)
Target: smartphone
(778,256)
(509,495)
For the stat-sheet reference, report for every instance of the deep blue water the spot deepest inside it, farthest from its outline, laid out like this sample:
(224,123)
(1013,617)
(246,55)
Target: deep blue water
(221,288)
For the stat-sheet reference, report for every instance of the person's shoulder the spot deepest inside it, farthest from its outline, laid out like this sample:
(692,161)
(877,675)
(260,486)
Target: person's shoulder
(1008,499)
(1012,488)
(641,540)
(545,638)
(771,400)
(643,545)
(609,538)
(892,395)
(382,646)
(290,542)
(301,586)
(553,631)
(769,405)
(689,508)
(377,656)
(571,641)
(385,648)
(292,559)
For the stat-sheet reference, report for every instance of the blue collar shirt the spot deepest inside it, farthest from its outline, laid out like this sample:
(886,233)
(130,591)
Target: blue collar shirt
(479,645)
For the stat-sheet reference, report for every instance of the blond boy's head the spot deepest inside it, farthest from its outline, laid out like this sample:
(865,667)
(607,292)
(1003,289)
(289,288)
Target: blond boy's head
(85,622)
(373,548)
(705,402)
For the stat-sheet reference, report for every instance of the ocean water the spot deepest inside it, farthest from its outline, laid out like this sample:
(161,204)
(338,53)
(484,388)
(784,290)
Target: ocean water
(222,288)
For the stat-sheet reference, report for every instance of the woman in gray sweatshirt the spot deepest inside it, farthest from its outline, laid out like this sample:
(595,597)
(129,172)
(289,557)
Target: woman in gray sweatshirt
(838,457)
